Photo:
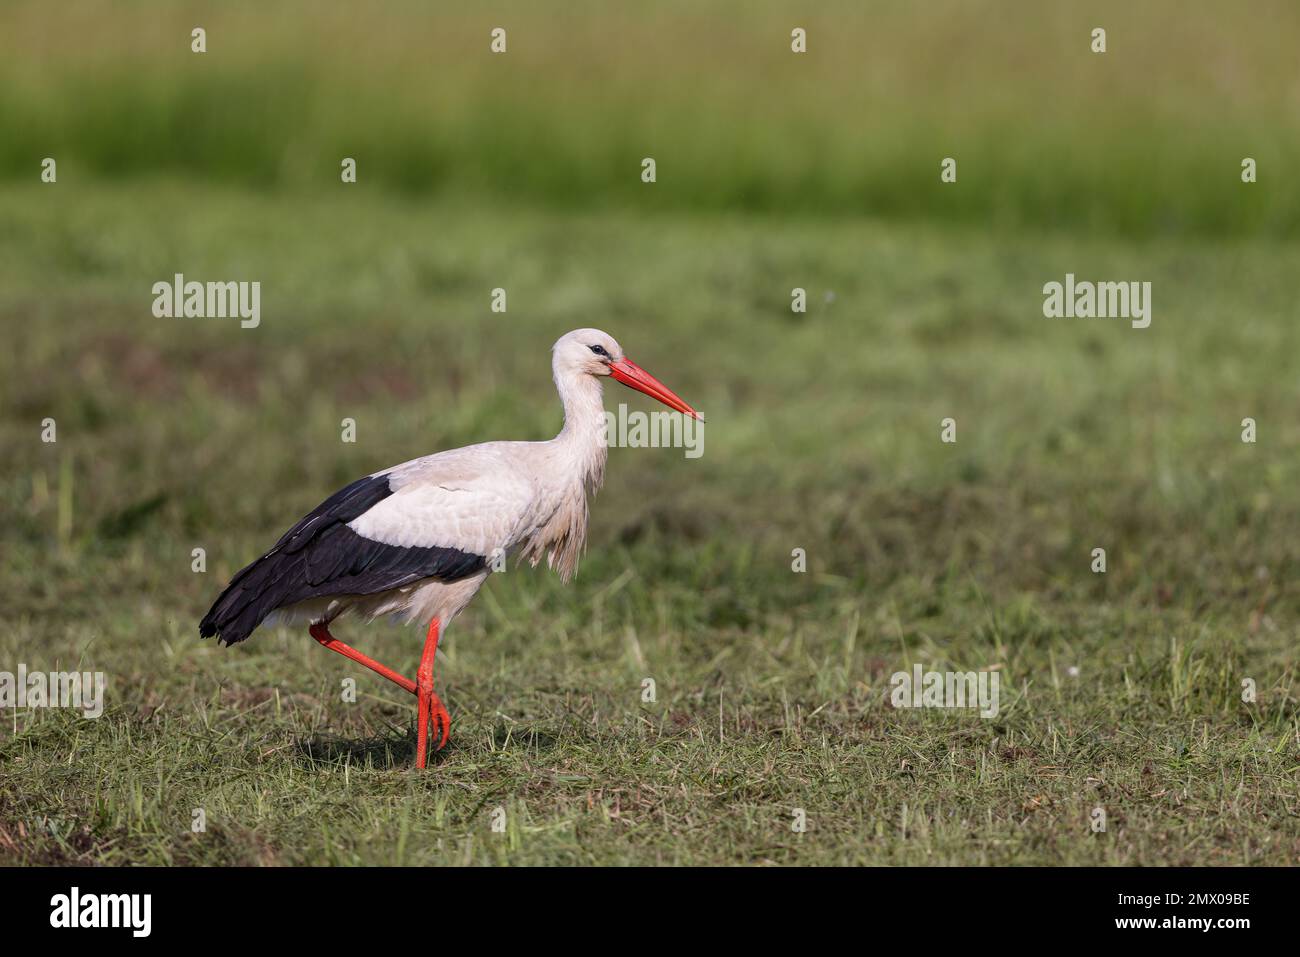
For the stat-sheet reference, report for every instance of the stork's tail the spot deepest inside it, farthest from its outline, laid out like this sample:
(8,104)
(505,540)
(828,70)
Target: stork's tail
(271,581)
(249,598)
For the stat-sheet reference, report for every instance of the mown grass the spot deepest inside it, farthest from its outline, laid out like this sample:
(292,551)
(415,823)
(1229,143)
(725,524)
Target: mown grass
(1146,139)
(1120,691)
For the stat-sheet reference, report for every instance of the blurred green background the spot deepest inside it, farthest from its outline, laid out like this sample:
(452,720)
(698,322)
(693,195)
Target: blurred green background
(775,171)
(1143,139)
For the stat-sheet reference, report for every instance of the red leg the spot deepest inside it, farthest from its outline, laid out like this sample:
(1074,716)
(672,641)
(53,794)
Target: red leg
(320,631)
(430,705)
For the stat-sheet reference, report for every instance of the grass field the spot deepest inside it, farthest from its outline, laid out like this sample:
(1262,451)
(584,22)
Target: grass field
(1121,691)
(772,685)
(1144,140)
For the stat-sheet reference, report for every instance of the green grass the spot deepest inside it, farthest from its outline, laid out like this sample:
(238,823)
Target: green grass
(772,686)
(1144,140)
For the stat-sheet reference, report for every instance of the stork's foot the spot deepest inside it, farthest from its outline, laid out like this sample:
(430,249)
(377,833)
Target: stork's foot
(432,712)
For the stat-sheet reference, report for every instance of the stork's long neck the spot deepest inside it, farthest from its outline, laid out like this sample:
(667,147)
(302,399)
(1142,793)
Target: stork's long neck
(582,439)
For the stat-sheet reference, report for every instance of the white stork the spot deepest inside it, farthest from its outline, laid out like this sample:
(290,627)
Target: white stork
(415,541)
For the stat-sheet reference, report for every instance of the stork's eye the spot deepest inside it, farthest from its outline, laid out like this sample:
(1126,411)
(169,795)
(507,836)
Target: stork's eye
(600,351)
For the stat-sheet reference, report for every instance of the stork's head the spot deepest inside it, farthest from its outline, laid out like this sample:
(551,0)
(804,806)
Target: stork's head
(596,353)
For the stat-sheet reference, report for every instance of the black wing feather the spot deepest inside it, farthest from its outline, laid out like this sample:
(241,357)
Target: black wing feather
(321,556)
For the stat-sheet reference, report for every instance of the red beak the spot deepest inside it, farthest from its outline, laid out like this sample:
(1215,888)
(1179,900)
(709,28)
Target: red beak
(633,376)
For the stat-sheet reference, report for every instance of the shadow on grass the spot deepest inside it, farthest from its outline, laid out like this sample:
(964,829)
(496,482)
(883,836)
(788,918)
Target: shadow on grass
(396,750)
(382,751)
